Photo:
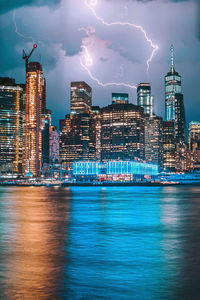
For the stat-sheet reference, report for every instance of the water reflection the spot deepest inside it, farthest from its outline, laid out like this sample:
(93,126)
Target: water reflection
(35,255)
(117,243)
(188,279)
(100,243)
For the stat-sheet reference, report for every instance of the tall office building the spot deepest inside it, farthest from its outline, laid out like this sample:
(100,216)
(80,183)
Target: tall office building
(154,139)
(174,105)
(144,98)
(169,146)
(119,98)
(76,129)
(194,143)
(153,125)
(76,139)
(33,141)
(11,127)
(96,130)
(44,97)
(81,97)
(122,132)
(46,124)
(53,145)
(181,152)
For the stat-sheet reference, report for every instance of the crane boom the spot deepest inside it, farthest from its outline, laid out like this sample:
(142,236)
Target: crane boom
(26,57)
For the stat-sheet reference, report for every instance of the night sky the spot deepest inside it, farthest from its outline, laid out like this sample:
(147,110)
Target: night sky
(117,53)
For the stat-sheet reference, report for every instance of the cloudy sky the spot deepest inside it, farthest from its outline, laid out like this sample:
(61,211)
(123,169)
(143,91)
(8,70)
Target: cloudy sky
(69,36)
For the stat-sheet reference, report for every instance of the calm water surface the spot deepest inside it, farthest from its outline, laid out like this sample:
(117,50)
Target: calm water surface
(100,243)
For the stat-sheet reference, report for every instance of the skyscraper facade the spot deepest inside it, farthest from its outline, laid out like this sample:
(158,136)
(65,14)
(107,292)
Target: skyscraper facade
(33,136)
(96,130)
(53,145)
(154,139)
(122,132)
(174,105)
(76,139)
(169,146)
(194,143)
(11,127)
(46,124)
(181,150)
(153,125)
(119,98)
(44,96)
(144,98)
(81,97)
(80,129)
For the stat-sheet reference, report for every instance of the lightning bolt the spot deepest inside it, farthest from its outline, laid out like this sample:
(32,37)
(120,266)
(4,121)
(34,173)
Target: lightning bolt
(88,30)
(16,28)
(87,57)
(88,63)
(92,3)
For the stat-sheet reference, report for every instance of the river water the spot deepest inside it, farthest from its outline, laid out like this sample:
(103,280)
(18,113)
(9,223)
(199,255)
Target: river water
(100,243)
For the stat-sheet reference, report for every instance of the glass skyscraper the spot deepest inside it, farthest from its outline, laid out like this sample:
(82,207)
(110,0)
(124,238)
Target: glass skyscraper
(174,105)
(169,146)
(76,141)
(81,97)
(122,132)
(34,96)
(46,124)
(11,127)
(194,143)
(119,98)
(154,139)
(153,125)
(144,98)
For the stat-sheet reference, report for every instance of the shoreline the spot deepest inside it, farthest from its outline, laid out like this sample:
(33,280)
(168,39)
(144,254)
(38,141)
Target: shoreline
(107,184)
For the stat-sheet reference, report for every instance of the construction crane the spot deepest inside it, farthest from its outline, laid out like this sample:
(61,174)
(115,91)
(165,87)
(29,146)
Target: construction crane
(26,57)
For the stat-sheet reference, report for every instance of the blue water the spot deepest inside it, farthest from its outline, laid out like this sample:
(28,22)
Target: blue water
(100,243)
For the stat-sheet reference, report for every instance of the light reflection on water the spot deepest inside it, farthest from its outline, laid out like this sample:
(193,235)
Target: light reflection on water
(100,243)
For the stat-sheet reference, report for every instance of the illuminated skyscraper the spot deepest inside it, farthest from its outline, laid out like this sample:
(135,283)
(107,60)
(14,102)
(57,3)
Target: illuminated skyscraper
(169,146)
(76,141)
(44,97)
(122,132)
(194,142)
(54,145)
(174,106)
(119,98)
(144,98)
(33,141)
(96,130)
(153,125)
(46,124)
(76,129)
(11,127)
(154,139)
(81,97)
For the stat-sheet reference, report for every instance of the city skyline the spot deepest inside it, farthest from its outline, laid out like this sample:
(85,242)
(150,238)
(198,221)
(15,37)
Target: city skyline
(99,149)
(185,55)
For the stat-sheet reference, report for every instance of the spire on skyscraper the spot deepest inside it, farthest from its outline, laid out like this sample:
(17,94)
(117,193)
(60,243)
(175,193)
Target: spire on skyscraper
(172,58)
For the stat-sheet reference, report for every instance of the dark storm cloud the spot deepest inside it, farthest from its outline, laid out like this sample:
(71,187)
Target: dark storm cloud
(11,51)
(117,53)
(7,5)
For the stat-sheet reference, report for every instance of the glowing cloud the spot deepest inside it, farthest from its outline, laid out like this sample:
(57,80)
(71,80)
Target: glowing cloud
(92,3)
(87,57)
(88,63)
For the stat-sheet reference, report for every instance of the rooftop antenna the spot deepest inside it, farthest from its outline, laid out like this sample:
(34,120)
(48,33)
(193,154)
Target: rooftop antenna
(26,57)
(172,57)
